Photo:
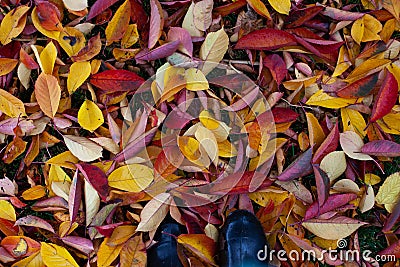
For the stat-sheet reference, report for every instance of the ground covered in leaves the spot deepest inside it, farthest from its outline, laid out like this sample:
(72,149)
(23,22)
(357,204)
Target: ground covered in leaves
(115,115)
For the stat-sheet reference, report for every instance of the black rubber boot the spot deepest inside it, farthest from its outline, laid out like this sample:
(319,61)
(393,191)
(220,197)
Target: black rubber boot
(244,241)
(164,253)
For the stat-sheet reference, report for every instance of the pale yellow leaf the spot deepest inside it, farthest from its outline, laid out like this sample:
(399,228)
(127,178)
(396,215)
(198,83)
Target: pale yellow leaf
(202,14)
(154,212)
(10,105)
(346,186)
(188,23)
(78,73)
(351,144)
(90,116)
(368,200)
(83,148)
(334,164)
(48,58)
(214,46)
(54,255)
(76,5)
(92,202)
(389,192)
(131,178)
(333,228)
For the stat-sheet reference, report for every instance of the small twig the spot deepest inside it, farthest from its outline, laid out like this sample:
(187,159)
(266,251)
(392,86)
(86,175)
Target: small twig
(296,106)
(246,62)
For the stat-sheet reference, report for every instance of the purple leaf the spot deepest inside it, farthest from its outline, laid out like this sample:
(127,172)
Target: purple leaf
(82,244)
(333,202)
(300,167)
(183,36)
(277,67)
(75,197)
(34,221)
(382,148)
(160,52)
(322,182)
(156,23)
(51,204)
(98,7)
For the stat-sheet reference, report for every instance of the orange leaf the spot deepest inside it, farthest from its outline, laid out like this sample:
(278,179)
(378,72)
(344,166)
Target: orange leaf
(7,65)
(49,16)
(48,94)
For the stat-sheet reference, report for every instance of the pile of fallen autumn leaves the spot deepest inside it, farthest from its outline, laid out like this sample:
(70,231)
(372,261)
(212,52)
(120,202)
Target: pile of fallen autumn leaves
(89,174)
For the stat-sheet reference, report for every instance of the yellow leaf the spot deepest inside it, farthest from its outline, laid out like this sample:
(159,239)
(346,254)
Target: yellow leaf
(195,80)
(133,252)
(315,132)
(107,254)
(353,121)
(389,192)
(78,73)
(282,6)
(34,192)
(90,116)
(71,40)
(395,70)
(131,36)
(7,65)
(54,255)
(13,24)
(199,245)
(343,62)
(366,29)
(56,174)
(131,178)
(393,6)
(388,29)
(368,67)
(119,23)
(122,55)
(207,119)
(36,22)
(48,58)
(390,123)
(371,179)
(7,211)
(10,105)
(322,99)
(34,260)
(121,234)
(190,148)
(260,8)
(48,94)
(64,159)
(226,149)
(264,198)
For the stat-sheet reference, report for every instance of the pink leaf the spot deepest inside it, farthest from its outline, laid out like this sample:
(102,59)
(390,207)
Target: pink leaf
(183,36)
(34,221)
(298,168)
(156,23)
(332,202)
(98,7)
(82,244)
(160,52)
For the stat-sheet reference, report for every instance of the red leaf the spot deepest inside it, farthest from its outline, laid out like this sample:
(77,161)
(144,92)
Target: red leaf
(329,145)
(96,177)
(282,115)
(360,88)
(298,168)
(49,16)
(28,61)
(266,39)
(98,7)
(237,183)
(163,165)
(229,8)
(333,202)
(277,67)
(300,16)
(393,249)
(117,80)
(386,98)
